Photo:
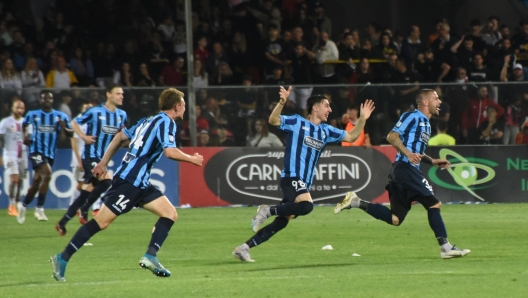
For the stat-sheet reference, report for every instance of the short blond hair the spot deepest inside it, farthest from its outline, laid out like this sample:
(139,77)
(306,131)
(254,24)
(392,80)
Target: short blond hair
(170,97)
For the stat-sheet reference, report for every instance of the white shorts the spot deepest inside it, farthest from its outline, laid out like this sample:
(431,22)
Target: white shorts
(15,166)
(300,97)
(78,174)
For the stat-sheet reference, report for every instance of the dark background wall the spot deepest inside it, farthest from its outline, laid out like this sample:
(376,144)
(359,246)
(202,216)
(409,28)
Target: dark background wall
(400,14)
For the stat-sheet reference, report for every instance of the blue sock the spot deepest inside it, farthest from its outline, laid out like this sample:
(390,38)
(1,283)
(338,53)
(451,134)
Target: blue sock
(161,231)
(81,199)
(41,199)
(436,223)
(380,212)
(83,234)
(268,231)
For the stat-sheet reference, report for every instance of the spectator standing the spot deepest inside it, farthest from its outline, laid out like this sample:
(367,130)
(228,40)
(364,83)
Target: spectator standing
(32,81)
(213,60)
(201,78)
(61,77)
(491,130)
(412,46)
(442,138)
(513,121)
(82,67)
(324,51)
(10,79)
(475,115)
(274,50)
(124,76)
(172,75)
(349,121)
(144,79)
(262,137)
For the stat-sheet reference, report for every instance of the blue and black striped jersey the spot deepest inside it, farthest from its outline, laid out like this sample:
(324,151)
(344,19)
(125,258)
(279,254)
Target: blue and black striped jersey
(45,132)
(103,124)
(414,130)
(305,142)
(148,139)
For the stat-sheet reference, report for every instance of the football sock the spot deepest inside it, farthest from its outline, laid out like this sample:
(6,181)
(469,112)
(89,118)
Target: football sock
(83,234)
(12,193)
(436,223)
(74,207)
(95,194)
(380,212)
(160,233)
(74,196)
(292,208)
(41,199)
(268,231)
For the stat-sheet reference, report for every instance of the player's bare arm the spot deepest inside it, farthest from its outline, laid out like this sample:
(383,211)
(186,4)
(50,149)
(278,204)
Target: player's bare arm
(77,129)
(441,163)
(274,118)
(366,111)
(178,155)
(394,139)
(67,131)
(100,169)
(75,149)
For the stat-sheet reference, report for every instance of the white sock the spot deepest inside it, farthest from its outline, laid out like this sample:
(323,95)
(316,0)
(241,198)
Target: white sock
(12,201)
(74,196)
(446,247)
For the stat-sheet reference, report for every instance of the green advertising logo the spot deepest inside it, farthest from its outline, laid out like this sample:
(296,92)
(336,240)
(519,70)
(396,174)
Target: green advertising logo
(465,172)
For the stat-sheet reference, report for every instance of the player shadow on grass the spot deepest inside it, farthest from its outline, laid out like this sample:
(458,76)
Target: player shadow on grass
(303,266)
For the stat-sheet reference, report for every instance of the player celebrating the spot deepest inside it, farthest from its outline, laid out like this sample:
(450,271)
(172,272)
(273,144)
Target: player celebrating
(407,184)
(44,126)
(77,144)
(13,152)
(150,137)
(103,123)
(305,141)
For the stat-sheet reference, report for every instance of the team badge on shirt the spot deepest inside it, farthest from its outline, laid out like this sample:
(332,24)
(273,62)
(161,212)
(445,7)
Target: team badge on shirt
(171,138)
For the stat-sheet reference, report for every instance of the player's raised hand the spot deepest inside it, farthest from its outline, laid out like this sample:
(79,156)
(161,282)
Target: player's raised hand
(89,139)
(197,159)
(99,171)
(366,109)
(284,94)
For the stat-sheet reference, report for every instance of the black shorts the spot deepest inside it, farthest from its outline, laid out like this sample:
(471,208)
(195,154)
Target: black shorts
(292,188)
(123,196)
(407,185)
(88,165)
(38,159)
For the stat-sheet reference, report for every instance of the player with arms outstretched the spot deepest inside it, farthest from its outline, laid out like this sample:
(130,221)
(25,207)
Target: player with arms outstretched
(407,184)
(305,141)
(131,186)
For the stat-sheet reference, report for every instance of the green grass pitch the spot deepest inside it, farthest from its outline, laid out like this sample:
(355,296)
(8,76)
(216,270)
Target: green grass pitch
(394,261)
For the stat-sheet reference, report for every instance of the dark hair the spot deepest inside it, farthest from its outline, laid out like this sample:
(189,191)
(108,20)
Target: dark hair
(353,106)
(273,26)
(44,91)
(111,86)
(421,94)
(491,18)
(441,125)
(474,22)
(314,99)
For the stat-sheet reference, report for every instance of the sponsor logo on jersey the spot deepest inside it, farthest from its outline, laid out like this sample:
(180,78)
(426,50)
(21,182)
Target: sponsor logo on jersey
(46,128)
(110,130)
(171,138)
(424,137)
(313,143)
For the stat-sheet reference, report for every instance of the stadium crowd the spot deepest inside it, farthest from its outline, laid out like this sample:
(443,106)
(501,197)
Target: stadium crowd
(266,43)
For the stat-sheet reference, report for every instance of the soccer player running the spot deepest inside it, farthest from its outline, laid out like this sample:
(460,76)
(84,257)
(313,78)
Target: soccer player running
(305,141)
(13,153)
(103,123)
(77,151)
(407,184)
(150,137)
(42,128)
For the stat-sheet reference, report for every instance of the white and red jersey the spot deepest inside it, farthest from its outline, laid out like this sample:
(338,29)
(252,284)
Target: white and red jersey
(14,147)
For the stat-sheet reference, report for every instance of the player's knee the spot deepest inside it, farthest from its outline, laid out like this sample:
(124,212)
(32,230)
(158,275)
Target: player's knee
(173,215)
(305,207)
(103,224)
(437,205)
(396,221)
(46,178)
